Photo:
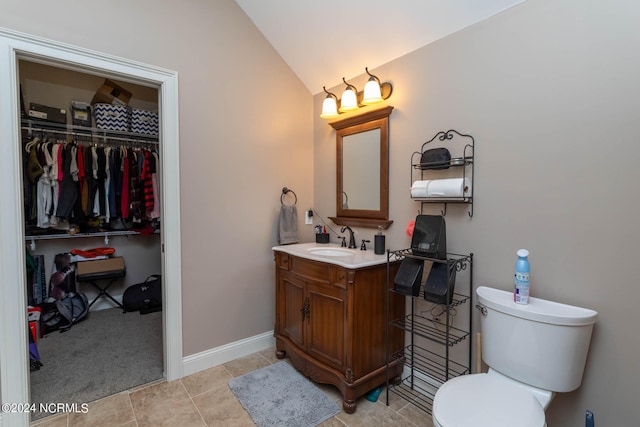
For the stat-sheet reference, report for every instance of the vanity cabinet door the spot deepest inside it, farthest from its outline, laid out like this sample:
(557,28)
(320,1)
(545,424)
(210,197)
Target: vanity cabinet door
(325,326)
(291,296)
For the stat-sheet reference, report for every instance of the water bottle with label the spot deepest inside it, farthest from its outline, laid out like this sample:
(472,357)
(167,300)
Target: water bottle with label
(521,289)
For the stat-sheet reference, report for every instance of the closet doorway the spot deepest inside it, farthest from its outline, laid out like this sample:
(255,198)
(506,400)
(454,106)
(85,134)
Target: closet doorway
(105,349)
(17,47)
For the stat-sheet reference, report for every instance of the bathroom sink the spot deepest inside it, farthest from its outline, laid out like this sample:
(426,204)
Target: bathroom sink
(333,254)
(330,252)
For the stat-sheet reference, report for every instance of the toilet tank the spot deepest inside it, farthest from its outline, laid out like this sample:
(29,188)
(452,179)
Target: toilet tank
(543,343)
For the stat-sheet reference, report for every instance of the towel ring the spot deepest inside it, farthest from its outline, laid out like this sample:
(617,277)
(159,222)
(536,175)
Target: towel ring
(286,190)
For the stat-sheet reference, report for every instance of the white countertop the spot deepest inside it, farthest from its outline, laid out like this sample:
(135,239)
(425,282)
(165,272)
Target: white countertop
(349,258)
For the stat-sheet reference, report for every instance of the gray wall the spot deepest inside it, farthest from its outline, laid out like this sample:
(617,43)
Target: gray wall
(549,89)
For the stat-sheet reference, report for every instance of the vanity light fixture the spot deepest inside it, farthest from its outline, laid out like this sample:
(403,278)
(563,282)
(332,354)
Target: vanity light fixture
(349,101)
(373,92)
(329,106)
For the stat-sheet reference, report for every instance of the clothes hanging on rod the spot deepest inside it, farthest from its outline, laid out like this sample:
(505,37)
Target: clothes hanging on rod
(97,187)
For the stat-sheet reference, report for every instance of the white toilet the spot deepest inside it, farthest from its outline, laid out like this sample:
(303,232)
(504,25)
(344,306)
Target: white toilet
(533,351)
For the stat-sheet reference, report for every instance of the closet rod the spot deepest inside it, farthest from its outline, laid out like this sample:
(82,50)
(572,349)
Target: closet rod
(88,140)
(84,132)
(90,137)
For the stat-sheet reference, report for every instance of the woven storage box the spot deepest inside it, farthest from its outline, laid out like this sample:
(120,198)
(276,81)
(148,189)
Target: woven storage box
(143,121)
(112,117)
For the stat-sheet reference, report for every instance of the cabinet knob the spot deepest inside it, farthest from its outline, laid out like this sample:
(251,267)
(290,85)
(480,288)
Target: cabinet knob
(306,308)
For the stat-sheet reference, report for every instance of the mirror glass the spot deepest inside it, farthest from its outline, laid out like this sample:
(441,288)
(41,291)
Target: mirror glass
(361,170)
(362,185)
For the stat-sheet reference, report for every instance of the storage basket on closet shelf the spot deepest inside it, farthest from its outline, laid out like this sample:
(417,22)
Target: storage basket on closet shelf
(143,121)
(112,117)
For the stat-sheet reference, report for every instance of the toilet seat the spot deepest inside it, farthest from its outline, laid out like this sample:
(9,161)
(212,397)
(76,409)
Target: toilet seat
(481,400)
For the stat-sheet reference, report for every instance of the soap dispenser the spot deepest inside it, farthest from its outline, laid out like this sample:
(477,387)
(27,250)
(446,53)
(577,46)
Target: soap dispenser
(378,242)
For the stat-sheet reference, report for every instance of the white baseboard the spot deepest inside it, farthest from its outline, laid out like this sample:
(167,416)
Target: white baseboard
(226,353)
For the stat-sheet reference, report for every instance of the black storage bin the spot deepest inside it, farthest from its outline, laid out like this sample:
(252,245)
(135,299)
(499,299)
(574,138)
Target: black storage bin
(322,238)
(436,288)
(430,237)
(409,277)
(46,113)
(81,114)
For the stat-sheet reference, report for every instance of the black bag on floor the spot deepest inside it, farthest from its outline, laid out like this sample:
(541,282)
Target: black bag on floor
(65,312)
(145,297)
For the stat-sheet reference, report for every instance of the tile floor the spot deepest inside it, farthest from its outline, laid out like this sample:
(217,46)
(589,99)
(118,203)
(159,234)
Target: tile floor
(204,399)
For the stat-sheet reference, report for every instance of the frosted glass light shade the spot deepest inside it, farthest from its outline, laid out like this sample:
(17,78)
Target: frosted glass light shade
(372,92)
(329,108)
(349,101)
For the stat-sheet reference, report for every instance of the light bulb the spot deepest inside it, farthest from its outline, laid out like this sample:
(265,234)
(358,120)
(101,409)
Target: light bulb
(349,101)
(329,108)
(372,92)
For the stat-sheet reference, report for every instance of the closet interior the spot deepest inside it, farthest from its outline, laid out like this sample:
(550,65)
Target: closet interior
(91,189)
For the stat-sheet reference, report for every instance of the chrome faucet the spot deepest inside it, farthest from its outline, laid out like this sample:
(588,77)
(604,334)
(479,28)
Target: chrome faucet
(352,237)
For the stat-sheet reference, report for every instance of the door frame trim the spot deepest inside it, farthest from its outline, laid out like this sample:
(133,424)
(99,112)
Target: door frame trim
(14,359)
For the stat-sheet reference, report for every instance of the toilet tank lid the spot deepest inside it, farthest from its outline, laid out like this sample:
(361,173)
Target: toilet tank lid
(538,309)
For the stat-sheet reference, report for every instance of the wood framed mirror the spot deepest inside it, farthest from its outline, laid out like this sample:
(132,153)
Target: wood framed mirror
(362,184)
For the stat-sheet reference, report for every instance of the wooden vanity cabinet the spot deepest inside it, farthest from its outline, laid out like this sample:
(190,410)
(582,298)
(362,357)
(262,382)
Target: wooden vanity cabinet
(331,322)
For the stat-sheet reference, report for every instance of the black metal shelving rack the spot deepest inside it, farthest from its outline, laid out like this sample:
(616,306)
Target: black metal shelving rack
(425,370)
(461,166)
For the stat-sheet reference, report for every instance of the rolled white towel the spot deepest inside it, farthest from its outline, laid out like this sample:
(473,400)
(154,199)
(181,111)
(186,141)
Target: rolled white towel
(420,189)
(451,187)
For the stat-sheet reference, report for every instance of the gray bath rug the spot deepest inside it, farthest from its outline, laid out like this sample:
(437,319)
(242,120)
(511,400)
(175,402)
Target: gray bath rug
(279,396)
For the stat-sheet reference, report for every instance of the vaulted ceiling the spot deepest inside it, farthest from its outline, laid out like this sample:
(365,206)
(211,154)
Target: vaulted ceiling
(325,40)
